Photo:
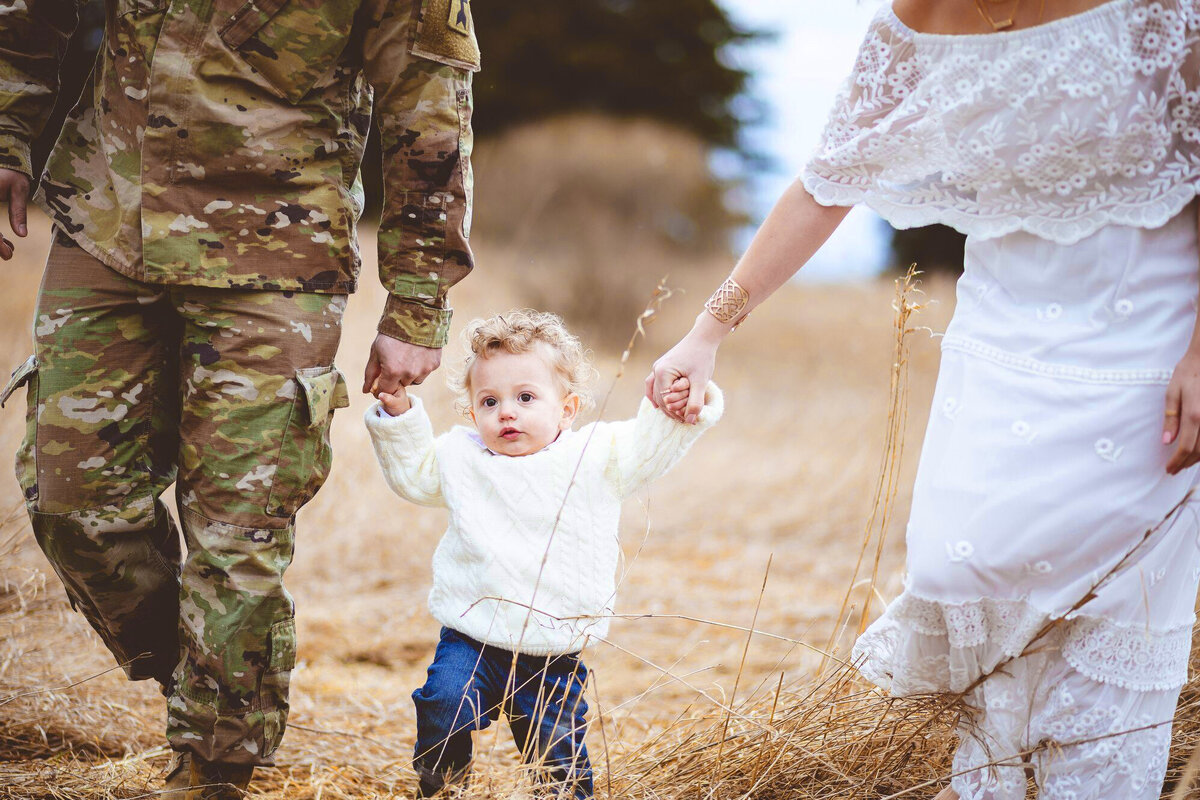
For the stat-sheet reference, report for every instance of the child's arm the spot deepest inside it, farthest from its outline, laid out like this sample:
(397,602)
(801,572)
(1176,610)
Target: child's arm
(404,446)
(645,447)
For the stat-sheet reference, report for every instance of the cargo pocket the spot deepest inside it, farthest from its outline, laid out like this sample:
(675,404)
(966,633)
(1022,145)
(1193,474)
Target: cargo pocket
(446,34)
(283,647)
(26,375)
(272,695)
(292,44)
(305,453)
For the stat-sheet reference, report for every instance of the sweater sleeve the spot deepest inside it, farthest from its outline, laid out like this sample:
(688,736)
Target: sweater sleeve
(645,447)
(407,454)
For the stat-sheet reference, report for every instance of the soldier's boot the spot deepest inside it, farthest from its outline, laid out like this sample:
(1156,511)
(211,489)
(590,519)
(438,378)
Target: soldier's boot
(179,777)
(212,780)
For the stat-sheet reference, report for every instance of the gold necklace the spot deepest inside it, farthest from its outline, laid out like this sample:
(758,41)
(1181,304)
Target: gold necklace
(997,24)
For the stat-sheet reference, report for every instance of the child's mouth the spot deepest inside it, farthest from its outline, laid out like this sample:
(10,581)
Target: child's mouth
(509,434)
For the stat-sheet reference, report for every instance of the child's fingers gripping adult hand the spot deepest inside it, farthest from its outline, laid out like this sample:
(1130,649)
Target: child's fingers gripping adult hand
(675,397)
(675,406)
(675,392)
(395,404)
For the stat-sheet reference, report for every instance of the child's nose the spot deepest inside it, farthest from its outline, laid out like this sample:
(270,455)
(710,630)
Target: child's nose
(507,411)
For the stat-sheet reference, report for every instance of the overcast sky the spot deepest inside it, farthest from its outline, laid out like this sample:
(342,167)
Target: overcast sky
(798,75)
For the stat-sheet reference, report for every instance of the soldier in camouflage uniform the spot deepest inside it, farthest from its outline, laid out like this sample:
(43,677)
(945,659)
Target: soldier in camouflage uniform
(205,194)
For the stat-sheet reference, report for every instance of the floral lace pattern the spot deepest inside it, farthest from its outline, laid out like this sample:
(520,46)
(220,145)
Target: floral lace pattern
(1129,657)
(1055,130)
(1085,741)
(921,646)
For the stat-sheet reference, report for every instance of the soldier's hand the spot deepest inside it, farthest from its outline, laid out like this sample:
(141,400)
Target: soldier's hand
(394,364)
(14,191)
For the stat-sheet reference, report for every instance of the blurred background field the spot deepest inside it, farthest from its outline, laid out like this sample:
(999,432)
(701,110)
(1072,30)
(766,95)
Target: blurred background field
(621,142)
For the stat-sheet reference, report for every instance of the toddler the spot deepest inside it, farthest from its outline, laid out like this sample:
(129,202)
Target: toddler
(525,575)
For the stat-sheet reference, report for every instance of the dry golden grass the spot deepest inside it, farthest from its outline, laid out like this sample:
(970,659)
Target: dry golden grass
(790,477)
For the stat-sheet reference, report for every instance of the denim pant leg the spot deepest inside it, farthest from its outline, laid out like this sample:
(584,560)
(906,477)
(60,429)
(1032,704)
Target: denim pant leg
(546,712)
(454,701)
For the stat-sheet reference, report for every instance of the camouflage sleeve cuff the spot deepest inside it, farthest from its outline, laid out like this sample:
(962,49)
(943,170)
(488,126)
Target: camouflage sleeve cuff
(14,154)
(416,323)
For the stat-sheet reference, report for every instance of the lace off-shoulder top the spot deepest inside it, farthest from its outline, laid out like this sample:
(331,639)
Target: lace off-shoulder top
(1056,130)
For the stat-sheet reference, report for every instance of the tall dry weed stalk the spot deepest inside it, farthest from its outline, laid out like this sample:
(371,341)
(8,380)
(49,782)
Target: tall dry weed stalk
(887,484)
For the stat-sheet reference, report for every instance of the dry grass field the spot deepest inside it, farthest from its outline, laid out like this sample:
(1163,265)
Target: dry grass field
(684,703)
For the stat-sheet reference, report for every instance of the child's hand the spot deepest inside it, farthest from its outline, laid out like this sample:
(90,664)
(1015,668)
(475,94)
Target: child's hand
(395,404)
(675,398)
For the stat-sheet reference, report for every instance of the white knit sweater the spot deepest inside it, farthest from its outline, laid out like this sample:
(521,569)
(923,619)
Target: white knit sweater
(502,519)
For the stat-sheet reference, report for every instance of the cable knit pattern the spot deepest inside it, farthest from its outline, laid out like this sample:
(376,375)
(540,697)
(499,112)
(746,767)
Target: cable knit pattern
(502,520)
(1056,130)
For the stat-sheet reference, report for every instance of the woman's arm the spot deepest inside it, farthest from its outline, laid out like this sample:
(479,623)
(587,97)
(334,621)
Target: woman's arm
(795,229)
(1181,418)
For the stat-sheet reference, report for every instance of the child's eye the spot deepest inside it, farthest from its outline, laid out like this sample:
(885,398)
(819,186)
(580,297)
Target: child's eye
(489,402)
(525,397)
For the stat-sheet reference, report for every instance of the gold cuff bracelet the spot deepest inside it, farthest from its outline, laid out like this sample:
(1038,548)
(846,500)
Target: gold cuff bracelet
(728,302)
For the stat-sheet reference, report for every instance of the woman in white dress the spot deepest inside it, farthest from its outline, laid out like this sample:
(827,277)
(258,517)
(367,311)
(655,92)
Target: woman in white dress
(1065,142)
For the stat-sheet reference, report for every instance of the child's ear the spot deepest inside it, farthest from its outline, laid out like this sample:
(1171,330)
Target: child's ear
(570,410)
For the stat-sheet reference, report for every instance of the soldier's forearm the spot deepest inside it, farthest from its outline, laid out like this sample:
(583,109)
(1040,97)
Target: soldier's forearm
(414,322)
(33,40)
(15,154)
(422,81)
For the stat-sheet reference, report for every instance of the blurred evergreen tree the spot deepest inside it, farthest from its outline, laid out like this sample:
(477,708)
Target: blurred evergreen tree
(646,58)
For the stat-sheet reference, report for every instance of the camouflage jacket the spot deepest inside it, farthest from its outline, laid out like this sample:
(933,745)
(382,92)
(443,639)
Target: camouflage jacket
(218,142)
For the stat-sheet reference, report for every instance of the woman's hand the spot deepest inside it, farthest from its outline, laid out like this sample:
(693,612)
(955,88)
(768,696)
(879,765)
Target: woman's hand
(684,370)
(790,234)
(1181,419)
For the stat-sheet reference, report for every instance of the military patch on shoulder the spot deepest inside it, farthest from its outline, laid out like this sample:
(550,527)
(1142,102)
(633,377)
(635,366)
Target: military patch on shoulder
(446,34)
(460,17)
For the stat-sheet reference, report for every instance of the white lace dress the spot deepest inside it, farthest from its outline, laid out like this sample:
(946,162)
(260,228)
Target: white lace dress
(1069,154)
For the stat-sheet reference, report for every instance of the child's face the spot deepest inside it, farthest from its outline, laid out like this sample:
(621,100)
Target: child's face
(516,402)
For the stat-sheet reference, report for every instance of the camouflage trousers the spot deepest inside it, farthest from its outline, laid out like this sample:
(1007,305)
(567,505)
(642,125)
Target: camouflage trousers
(230,395)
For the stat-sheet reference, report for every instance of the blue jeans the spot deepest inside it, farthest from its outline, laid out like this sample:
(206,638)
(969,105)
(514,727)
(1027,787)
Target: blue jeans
(470,683)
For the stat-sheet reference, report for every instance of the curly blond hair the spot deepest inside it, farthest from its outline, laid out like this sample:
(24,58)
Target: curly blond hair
(520,331)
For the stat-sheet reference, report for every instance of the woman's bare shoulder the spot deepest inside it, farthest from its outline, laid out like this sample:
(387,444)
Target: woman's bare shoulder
(957,17)
(939,16)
